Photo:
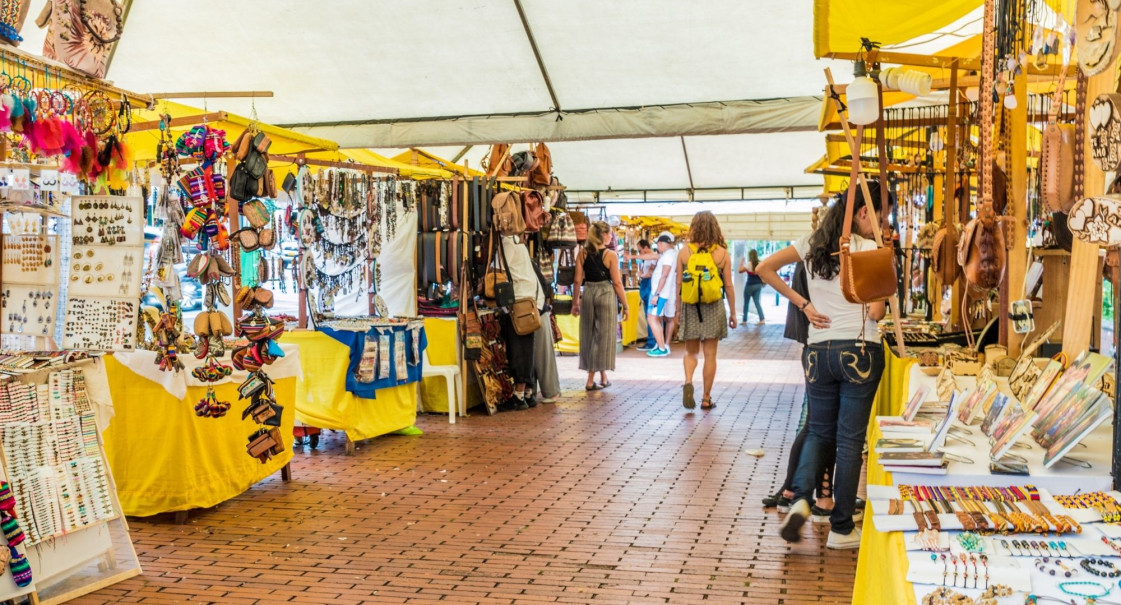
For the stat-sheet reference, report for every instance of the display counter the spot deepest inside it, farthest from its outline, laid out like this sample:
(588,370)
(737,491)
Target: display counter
(323,401)
(164,457)
(882,566)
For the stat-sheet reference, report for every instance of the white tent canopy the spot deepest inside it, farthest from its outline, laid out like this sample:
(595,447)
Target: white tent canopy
(400,73)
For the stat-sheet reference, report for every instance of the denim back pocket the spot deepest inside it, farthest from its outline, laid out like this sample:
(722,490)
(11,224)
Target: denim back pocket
(859,367)
(810,364)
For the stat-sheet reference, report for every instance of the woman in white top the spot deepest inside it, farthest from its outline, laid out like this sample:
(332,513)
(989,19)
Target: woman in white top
(519,347)
(842,360)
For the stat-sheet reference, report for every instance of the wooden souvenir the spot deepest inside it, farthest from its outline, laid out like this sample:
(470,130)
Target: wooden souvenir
(1097,35)
(1097,220)
(1105,129)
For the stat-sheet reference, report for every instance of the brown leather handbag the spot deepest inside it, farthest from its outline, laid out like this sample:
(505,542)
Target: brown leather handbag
(869,276)
(1056,160)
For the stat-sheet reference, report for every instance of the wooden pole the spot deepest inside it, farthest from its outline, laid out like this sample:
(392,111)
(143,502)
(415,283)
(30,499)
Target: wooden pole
(949,182)
(1011,288)
(1085,283)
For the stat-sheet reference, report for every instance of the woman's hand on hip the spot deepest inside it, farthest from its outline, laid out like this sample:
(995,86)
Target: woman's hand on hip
(817,320)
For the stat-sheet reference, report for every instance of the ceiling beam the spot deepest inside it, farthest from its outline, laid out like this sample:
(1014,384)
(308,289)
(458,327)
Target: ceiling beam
(462,152)
(683,119)
(537,55)
(688,168)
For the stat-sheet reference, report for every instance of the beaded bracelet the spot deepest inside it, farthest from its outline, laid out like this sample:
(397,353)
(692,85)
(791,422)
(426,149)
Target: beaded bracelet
(1063,586)
(1111,570)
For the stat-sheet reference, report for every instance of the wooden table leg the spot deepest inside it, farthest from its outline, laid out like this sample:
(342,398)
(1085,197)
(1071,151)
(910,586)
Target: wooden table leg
(349,447)
(286,472)
(180,517)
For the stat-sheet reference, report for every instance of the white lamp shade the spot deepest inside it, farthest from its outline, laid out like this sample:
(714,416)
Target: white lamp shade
(863,101)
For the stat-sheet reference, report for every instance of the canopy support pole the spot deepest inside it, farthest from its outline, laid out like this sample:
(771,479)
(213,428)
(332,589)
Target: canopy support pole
(688,168)
(537,55)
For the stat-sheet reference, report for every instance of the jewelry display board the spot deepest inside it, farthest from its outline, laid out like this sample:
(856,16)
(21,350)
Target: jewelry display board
(100,271)
(30,259)
(28,310)
(105,272)
(101,324)
(65,500)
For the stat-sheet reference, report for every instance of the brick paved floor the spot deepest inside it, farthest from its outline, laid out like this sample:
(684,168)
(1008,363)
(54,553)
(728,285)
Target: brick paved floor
(619,496)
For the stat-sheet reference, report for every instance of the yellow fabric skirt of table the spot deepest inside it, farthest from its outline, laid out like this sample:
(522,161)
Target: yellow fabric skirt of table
(165,458)
(570,326)
(881,574)
(323,401)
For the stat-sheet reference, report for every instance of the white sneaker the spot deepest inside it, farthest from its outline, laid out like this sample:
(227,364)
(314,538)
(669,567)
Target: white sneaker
(843,542)
(791,528)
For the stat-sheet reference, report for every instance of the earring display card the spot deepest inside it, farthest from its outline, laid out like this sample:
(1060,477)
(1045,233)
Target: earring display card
(30,259)
(28,310)
(107,220)
(100,324)
(105,271)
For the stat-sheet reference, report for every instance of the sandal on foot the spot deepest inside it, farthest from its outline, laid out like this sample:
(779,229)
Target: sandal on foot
(591,387)
(604,385)
(709,402)
(687,397)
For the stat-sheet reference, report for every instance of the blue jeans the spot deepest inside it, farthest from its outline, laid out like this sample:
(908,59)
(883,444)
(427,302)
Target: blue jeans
(842,378)
(752,292)
(644,287)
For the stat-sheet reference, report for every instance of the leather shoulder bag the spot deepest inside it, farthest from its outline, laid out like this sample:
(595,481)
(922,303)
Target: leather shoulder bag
(868,276)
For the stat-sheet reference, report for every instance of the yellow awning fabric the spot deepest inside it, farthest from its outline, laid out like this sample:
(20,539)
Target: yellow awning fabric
(427,160)
(839,24)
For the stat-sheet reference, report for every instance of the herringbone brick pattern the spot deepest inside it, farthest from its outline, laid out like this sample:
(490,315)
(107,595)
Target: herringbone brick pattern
(617,496)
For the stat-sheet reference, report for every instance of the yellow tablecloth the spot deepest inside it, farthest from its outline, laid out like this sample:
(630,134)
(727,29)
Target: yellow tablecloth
(570,326)
(165,458)
(881,568)
(323,401)
(630,326)
(443,340)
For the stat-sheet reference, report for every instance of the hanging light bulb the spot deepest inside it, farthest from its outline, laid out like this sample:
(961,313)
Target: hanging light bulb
(936,143)
(862,96)
(909,81)
(1010,102)
(972,93)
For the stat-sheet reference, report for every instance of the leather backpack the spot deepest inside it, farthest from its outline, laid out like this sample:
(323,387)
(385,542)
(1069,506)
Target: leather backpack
(508,218)
(533,208)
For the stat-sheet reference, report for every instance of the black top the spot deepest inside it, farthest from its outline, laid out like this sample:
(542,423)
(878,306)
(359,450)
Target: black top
(797,324)
(594,269)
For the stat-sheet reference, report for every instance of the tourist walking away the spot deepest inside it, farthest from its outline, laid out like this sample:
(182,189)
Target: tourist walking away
(663,297)
(596,299)
(645,273)
(753,287)
(704,270)
(842,362)
(520,347)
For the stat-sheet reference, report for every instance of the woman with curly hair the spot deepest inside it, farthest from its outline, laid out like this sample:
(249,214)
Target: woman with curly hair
(704,325)
(842,362)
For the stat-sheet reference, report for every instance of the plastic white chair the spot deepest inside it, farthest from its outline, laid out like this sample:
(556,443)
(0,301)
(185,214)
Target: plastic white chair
(450,374)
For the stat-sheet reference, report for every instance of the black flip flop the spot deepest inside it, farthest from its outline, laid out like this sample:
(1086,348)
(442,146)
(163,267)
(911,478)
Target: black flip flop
(594,387)
(687,397)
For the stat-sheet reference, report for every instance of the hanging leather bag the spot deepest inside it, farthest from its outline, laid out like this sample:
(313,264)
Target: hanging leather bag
(498,162)
(508,218)
(868,276)
(566,268)
(533,208)
(562,233)
(497,283)
(1056,160)
(543,172)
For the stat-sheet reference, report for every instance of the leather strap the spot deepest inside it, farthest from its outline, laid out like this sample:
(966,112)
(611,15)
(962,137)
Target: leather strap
(986,105)
(455,204)
(850,197)
(454,256)
(430,259)
(1079,132)
(437,246)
